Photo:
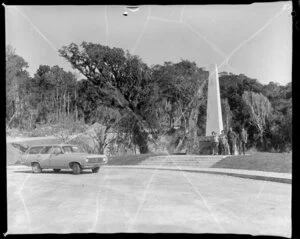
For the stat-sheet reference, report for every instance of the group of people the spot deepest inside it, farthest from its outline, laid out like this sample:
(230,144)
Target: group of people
(227,143)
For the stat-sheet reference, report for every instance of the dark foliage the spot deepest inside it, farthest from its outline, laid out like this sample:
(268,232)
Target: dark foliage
(139,102)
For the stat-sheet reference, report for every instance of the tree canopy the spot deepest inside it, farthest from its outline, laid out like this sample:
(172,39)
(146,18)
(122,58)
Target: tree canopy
(123,80)
(141,103)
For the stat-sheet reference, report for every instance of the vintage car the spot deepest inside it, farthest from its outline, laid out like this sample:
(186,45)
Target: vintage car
(61,156)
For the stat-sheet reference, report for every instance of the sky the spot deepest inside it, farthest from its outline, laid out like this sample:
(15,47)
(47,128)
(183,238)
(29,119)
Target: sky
(254,40)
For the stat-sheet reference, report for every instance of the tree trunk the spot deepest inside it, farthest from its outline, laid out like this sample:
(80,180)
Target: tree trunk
(261,140)
(68,104)
(64,105)
(11,118)
(56,105)
(59,107)
(140,139)
(227,126)
(76,112)
(30,123)
(17,105)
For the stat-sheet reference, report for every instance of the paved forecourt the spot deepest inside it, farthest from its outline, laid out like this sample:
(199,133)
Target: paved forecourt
(151,201)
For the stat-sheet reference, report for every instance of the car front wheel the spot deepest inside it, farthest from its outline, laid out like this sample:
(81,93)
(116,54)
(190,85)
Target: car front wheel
(95,170)
(76,168)
(36,168)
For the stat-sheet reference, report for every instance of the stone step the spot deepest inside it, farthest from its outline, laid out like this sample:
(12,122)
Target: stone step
(182,164)
(182,161)
(176,165)
(200,158)
(174,161)
(184,156)
(205,161)
(187,162)
(170,162)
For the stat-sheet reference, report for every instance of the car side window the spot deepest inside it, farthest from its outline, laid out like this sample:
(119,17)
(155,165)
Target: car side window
(35,150)
(67,149)
(55,150)
(46,150)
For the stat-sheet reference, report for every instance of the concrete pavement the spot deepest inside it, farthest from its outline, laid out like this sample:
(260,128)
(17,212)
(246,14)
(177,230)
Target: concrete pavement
(135,200)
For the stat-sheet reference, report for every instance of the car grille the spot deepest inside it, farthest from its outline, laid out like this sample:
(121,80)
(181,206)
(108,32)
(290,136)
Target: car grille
(96,160)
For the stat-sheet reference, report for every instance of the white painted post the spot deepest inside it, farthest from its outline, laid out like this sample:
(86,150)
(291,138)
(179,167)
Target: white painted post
(214,112)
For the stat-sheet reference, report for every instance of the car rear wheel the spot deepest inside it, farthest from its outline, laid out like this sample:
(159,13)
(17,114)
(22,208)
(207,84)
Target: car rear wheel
(95,170)
(36,168)
(56,170)
(76,168)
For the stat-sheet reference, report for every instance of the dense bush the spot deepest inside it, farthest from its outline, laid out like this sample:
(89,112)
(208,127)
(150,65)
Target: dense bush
(139,102)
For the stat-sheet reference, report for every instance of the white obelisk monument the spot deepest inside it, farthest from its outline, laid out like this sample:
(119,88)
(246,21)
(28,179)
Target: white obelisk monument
(214,112)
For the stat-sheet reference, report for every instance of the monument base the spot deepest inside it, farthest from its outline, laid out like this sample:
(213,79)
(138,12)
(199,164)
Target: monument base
(202,146)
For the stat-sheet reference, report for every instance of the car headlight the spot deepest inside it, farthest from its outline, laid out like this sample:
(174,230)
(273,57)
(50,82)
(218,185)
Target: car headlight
(86,160)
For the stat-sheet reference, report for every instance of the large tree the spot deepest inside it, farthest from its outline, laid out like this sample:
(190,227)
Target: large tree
(179,87)
(182,90)
(123,80)
(226,114)
(53,94)
(232,87)
(17,80)
(260,110)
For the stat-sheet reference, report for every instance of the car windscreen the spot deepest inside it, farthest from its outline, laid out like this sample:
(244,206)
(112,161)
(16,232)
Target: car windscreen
(20,147)
(77,149)
(35,150)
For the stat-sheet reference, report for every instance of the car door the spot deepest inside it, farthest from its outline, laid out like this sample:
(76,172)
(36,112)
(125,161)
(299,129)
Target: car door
(32,155)
(57,159)
(44,157)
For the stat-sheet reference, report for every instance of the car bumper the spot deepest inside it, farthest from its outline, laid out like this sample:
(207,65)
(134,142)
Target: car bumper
(92,165)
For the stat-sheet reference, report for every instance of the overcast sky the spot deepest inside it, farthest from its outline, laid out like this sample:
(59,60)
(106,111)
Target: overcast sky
(255,40)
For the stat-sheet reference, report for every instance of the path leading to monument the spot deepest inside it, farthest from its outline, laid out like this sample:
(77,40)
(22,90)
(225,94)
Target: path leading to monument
(135,200)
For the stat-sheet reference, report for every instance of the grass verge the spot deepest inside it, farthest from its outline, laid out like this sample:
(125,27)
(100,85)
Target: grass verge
(260,161)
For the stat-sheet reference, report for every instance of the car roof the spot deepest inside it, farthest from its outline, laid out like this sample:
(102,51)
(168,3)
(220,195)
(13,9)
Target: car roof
(49,145)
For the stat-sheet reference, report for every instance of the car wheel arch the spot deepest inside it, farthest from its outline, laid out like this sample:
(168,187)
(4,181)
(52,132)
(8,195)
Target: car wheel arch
(71,164)
(35,162)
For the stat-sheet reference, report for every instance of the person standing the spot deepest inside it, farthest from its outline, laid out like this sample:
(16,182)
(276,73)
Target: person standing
(243,139)
(231,140)
(227,144)
(238,145)
(223,142)
(215,143)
